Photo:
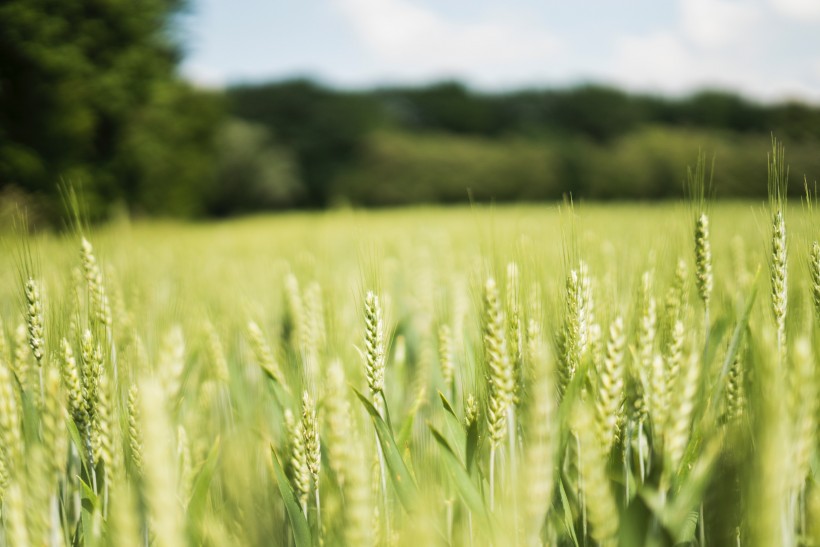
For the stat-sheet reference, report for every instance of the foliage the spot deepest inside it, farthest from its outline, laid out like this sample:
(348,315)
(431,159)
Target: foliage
(324,129)
(253,173)
(88,94)
(445,143)
(401,168)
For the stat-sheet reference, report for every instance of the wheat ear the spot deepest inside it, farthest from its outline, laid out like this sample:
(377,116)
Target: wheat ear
(611,386)
(499,373)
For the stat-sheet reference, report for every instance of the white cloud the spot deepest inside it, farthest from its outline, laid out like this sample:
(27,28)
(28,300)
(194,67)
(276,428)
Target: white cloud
(204,76)
(716,44)
(717,23)
(414,41)
(658,61)
(663,61)
(800,10)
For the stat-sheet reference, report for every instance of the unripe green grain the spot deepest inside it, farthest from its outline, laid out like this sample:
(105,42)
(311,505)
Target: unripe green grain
(540,444)
(338,423)
(572,340)
(814,270)
(313,332)
(92,371)
(34,320)
(102,428)
(703,259)
(99,308)
(499,374)
(263,353)
(674,355)
(611,386)
(71,381)
(297,467)
(645,349)
(499,367)
(358,499)
(600,504)
(135,429)
(216,354)
(735,388)
(779,277)
(778,176)
(684,400)
(676,295)
(171,363)
(160,478)
(446,360)
(803,410)
(21,363)
(515,327)
(312,443)
(471,411)
(374,347)
(11,439)
(658,396)
(54,434)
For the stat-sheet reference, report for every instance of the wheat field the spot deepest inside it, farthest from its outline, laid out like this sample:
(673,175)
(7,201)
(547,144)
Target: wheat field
(618,374)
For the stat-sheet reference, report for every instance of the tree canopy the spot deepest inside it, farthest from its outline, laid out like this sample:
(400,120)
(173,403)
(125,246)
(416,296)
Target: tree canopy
(85,86)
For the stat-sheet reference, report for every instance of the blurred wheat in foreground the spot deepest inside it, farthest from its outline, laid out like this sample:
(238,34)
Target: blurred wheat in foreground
(589,376)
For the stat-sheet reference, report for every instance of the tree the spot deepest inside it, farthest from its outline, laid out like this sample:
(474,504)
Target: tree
(325,129)
(76,77)
(253,174)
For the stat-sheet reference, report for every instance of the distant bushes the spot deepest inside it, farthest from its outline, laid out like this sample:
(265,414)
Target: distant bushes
(252,172)
(322,129)
(444,143)
(648,163)
(400,168)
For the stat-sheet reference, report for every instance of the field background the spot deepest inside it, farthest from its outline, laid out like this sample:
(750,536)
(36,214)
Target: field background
(182,294)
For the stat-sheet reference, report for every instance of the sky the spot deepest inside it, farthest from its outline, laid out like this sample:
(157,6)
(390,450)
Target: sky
(768,50)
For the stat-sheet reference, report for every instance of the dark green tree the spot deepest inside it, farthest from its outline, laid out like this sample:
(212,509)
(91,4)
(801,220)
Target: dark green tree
(325,129)
(448,106)
(78,79)
(253,174)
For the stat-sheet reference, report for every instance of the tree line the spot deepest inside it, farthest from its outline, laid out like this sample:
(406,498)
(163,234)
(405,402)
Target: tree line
(445,143)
